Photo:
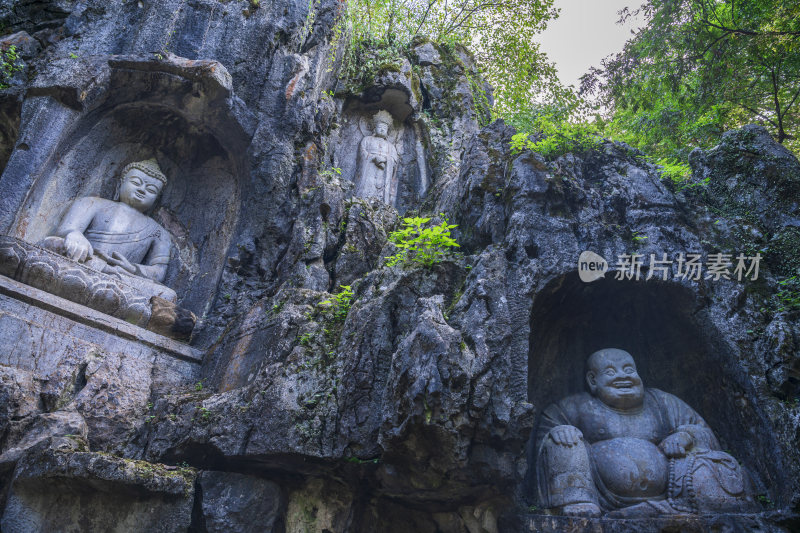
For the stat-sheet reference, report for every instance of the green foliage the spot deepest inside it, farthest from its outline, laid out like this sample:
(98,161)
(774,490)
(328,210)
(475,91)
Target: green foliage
(674,170)
(198,386)
(556,136)
(330,173)
(308,25)
(364,59)
(358,461)
(501,35)
(10,64)
(306,338)
(340,303)
(788,294)
(420,245)
(678,172)
(700,67)
(763,499)
(277,307)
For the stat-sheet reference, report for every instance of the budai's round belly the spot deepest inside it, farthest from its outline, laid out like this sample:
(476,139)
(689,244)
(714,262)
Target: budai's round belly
(631,467)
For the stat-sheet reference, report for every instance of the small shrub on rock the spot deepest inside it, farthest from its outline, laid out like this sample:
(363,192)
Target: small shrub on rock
(420,245)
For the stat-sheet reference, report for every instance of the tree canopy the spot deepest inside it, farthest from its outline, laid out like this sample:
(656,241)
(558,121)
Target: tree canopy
(699,67)
(695,69)
(501,34)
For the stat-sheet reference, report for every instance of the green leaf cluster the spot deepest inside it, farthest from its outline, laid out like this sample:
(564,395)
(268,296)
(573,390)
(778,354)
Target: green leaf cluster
(340,303)
(556,136)
(788,296)
(698,68)
(678,172)
(500,34)
(421,245)
(9,65)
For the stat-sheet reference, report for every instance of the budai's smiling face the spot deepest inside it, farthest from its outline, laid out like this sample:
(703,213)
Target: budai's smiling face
(613,378)
(139,190)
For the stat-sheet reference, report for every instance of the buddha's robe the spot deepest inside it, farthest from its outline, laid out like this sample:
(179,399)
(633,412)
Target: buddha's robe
(110,227)
(373,181)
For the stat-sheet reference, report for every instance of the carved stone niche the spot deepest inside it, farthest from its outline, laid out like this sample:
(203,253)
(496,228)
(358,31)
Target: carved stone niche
(677,349)
(365,157)
(84,124)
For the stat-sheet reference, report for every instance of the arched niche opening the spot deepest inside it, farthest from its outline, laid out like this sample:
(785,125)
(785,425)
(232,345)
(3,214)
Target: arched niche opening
(677,348)
(129,108)
(199,206)
(405,134)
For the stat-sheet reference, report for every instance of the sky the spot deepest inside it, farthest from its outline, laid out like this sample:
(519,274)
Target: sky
(585,32)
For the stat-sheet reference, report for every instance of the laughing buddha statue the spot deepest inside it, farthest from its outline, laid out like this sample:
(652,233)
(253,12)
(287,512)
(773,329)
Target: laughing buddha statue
(625,451)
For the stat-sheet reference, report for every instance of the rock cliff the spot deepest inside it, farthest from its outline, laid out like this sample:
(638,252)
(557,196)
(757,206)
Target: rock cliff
(414,409)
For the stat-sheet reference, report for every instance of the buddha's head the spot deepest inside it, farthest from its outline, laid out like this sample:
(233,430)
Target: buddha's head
(382,120)
(612,378)
(141,184)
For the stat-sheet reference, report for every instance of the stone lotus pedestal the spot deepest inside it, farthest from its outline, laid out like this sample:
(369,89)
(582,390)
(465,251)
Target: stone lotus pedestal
(58,275)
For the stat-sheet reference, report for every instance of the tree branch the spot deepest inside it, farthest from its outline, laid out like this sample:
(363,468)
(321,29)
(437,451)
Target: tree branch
(759,114)
(424,18)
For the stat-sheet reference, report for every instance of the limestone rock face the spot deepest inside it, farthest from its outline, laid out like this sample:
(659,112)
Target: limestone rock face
(412,404)
(234,502)
(58,488)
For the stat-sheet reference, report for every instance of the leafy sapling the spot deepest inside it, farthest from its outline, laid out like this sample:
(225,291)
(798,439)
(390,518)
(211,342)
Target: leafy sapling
(419,244)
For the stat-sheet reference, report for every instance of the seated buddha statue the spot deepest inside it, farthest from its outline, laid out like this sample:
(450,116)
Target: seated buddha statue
(626,451)
(117,237)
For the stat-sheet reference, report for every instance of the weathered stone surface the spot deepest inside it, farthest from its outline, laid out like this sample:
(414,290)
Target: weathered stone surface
(412,410)
(234,502)
(755,184)
(58,363)
(33,430)
(24,45)
(57,489)
(751,176)
(427,54)
(688,524)
(319,506)
(367,224)
(169,320)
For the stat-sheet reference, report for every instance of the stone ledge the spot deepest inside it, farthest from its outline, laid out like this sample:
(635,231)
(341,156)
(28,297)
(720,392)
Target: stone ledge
(764,522)
(103,469)
(90,317)
(65,490)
